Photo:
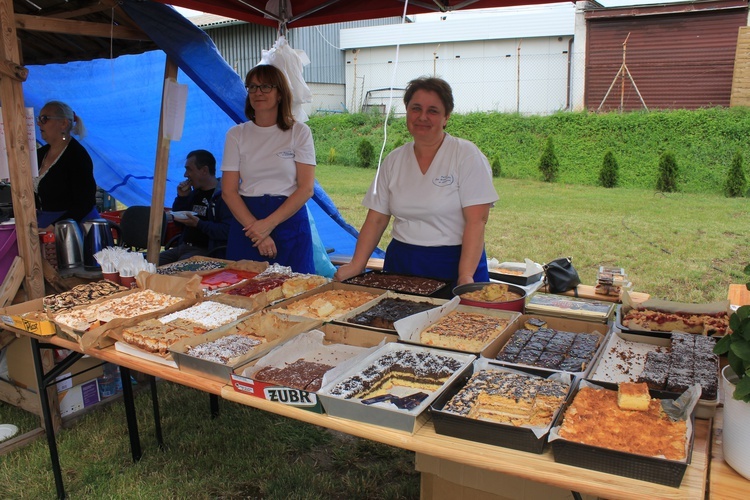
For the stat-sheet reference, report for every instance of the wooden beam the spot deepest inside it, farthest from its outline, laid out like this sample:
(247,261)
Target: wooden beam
(13,70)
(160,174)
(12,282)
(79,28)
(22,191)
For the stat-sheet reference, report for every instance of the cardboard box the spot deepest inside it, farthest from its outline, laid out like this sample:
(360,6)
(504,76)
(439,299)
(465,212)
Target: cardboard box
(79,397)
(446,480)
(21,366)
(410,328)
(269,326)
(277,307)
(243,382)
(13,316)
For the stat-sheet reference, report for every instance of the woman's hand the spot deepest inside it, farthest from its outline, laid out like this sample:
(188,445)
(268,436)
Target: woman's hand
(267,247)
(259,230)
(462,280)
(346,271)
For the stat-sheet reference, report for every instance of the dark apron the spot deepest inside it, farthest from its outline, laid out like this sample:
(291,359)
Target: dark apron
(431,262)
(293,238)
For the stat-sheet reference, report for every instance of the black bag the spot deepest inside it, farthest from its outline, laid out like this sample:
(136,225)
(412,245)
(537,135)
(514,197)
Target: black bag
(560,275)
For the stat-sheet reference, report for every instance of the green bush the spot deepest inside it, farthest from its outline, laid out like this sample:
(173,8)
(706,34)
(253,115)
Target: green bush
(667,181)
(705,139)
(332,156)
(548,163)
(736,184)
(365,153)
(496,171)
(608,173)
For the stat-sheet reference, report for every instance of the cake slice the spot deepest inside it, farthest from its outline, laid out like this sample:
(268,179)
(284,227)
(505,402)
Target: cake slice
(633,396)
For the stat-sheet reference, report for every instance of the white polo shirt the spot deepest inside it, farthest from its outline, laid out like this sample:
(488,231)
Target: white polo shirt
(265,157)
(427,209)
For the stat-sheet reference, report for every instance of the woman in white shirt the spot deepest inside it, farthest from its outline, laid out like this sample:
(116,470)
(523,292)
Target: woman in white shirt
(439,191)
(268,173)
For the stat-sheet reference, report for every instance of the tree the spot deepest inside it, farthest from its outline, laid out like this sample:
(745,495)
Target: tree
(736,183)
(365,153)
(548,163)
(667,181)
(608,173)
(496,170)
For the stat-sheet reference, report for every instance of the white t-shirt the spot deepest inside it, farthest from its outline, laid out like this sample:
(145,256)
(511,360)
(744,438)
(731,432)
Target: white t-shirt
(427,209)
(265,157)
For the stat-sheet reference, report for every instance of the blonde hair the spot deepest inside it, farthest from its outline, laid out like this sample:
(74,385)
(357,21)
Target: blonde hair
(76,124)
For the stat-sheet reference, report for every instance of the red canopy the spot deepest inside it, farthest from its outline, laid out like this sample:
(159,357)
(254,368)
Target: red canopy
(314,12)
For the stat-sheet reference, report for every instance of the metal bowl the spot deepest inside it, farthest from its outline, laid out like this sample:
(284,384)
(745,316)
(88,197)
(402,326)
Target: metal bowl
(511,305)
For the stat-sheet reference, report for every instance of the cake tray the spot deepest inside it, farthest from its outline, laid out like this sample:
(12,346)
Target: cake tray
(562,306)
(651,469)
(531,273)
(387,414)
(556,323)
(614,366)
(442,291)
(274,329)
(483,431)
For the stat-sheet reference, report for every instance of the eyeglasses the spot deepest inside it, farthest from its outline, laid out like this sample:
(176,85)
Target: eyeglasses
(42,119)
(265,88)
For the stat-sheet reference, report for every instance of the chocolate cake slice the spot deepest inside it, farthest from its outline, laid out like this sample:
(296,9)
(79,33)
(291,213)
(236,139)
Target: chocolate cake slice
(388,311)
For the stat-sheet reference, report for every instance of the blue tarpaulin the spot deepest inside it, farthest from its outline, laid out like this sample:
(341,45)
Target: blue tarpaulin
(119,101)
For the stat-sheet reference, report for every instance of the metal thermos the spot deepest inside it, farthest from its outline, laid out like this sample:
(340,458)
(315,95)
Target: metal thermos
(98,236)
(69,244)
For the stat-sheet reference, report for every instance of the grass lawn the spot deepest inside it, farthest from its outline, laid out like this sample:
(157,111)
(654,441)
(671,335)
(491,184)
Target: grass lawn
(684,247)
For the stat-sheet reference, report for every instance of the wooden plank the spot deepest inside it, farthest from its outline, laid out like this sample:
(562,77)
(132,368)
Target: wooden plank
(12,282)
(338,259)
(21,441)
(160,174)
(81,28)
(20,397)
(740,95)
(19,165)
(725,482)
(739,295)
(589,292)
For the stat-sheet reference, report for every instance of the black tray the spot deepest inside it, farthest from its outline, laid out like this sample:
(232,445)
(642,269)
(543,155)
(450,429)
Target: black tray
(651,469)
(497,434)
(516,279)
(442,292)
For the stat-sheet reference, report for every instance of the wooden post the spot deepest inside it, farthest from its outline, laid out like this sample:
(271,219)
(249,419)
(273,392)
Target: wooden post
(160,175)
(14,119)
(22,191)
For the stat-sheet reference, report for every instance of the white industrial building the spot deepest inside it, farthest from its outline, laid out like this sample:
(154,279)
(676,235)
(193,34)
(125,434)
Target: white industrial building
(516,59)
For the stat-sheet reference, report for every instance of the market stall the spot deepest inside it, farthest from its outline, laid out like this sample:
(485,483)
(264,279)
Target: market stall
(448,462)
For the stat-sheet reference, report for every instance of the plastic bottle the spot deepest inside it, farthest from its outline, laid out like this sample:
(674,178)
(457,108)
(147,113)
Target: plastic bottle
(108,381)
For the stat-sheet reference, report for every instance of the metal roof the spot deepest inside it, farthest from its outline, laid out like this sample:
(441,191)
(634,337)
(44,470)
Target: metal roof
(513,22)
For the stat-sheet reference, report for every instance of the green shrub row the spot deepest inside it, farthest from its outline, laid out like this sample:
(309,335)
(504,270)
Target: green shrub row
(704,144)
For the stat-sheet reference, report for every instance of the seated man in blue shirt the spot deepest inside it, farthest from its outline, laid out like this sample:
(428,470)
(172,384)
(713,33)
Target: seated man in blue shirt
(199,194)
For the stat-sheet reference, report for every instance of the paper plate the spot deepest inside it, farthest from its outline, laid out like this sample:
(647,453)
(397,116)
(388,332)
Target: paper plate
(182,215)
(7,431)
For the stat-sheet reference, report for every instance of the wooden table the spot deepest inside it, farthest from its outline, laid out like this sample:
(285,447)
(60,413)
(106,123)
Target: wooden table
(540,468)
(739,295)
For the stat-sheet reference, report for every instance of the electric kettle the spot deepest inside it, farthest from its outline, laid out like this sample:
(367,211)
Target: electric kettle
(98,236)
(68,244)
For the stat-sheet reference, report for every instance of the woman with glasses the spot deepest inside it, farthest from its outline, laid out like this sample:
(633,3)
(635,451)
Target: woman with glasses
(65,187)
(268,173)
(439,191)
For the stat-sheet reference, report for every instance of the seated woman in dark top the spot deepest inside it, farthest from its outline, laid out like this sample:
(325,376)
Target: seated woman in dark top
(65,188)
